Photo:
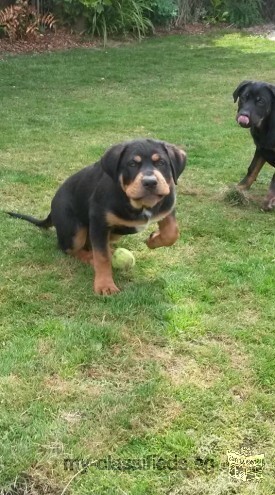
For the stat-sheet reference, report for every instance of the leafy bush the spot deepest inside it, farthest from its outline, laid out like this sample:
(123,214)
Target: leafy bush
(244,13)
(21,20)
(216,11)
(241,13)
(123,16)
(68,11)
(116,17)
(238,12)
(163,11)
(107,17)
(269,10)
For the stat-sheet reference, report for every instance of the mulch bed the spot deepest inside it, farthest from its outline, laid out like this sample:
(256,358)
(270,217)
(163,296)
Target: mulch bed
(64,40)
(48,42)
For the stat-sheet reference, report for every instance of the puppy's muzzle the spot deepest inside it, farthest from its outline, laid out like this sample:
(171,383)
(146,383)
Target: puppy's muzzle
(149,182)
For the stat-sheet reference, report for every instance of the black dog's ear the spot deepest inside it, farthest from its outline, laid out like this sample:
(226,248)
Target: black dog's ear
(177,159)
(111,159)
(239,89)
(271,88)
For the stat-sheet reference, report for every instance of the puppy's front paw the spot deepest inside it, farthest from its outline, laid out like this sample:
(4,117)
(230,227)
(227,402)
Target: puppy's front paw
(163,238)
(105,287)
(154,240)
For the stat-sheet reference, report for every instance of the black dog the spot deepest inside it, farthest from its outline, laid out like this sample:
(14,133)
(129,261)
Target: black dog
(131,186)
(256,110)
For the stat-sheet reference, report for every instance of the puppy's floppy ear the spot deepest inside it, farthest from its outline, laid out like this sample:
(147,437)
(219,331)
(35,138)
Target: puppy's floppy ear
(177,159)
(239,89)
(111,159)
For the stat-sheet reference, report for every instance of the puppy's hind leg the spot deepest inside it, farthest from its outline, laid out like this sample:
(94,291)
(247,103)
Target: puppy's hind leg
(72,236)
(79,244)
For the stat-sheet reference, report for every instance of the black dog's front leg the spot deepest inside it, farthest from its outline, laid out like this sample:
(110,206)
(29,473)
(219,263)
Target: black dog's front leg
(252,172)
(102,257)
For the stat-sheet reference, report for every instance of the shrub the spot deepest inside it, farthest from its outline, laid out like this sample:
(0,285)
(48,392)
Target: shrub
(70,11)
(122,17)
(107,17)
(269,10)
(21,20)
(216,11)
(244,13)
(163,11)
(238,12)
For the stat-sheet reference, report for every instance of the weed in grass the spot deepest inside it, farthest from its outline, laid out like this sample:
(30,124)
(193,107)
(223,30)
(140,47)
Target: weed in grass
(235,197)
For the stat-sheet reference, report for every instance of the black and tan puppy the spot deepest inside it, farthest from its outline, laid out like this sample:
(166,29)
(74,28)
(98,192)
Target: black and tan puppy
(256,111)
(131,186)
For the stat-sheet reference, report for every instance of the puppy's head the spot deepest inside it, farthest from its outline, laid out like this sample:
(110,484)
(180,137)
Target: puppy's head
(146,170)
(255,102)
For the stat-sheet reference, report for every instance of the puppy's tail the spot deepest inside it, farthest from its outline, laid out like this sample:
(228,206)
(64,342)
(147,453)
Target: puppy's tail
(44,224)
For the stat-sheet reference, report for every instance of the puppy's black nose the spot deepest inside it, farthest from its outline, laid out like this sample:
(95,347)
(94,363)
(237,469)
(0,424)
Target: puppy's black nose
(149,181)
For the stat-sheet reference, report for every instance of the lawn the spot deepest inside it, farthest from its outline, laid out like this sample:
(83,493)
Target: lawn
(182,361)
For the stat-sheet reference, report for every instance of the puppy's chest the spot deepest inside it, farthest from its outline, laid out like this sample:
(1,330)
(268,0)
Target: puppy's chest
(140,221)
(149,218)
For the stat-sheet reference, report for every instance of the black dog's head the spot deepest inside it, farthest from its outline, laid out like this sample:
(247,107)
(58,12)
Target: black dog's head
(146,169)
(255,102)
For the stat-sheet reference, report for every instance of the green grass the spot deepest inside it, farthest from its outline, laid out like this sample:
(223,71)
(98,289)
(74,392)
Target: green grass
(181,362)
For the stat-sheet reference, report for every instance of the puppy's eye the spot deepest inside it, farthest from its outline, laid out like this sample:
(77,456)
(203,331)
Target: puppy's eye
(161,162)
(132,163)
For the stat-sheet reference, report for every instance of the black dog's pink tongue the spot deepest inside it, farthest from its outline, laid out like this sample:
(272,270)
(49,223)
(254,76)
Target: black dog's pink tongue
(243,119)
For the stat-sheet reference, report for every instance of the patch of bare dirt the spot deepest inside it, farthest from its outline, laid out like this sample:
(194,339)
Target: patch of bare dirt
(32,485)
(265,30)
(192,29)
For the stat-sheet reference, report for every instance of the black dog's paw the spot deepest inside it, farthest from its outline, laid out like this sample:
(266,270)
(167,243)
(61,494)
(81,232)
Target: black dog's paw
(268,204)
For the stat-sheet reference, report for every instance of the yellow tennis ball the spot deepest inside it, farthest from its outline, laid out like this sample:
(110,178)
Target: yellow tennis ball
(123,259)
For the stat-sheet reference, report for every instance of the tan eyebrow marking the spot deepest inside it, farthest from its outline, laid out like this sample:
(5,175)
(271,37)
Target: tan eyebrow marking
(137,159)
(155,157)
